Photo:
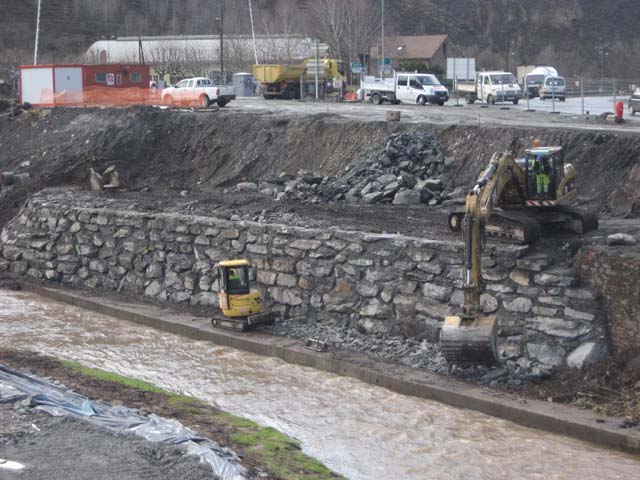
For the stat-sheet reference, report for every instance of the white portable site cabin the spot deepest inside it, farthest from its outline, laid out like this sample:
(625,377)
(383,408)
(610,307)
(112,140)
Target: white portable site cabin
(45,85)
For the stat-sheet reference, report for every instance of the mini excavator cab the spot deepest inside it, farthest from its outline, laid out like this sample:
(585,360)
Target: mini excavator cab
(241,308)
(235,296)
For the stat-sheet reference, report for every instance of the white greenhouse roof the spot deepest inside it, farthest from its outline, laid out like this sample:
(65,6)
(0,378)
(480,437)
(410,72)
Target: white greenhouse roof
(200,48)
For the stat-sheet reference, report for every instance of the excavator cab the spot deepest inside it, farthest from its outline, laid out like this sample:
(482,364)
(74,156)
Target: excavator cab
(544,172)
(241,308)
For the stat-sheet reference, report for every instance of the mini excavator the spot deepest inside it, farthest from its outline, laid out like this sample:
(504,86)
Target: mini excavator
(511,200)
(241,308)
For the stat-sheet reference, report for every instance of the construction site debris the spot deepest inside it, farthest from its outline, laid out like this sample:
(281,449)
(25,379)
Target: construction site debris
(10,179)
(621,239)
(108,180)
(406,172)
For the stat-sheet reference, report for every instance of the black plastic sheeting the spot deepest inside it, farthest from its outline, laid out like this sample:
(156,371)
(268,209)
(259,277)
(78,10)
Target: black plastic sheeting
(43,395)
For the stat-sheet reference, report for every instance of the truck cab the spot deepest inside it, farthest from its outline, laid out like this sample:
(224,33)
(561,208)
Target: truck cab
(492,87)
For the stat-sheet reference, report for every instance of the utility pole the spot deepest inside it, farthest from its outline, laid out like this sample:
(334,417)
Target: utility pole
(253,33)
(35,50)
(222,43)
(382,44)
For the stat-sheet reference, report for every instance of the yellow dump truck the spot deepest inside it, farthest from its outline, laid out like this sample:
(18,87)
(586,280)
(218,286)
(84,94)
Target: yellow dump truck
(286,81)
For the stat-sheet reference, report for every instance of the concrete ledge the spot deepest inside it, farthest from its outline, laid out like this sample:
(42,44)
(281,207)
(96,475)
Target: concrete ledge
(560,419)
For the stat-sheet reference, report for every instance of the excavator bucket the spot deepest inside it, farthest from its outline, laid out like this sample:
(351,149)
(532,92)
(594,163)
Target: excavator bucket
(469,341)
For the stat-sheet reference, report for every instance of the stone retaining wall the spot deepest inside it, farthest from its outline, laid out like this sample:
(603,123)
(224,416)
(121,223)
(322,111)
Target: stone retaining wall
(381,283)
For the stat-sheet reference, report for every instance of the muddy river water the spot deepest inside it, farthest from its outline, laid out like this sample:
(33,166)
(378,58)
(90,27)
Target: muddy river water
(360,431)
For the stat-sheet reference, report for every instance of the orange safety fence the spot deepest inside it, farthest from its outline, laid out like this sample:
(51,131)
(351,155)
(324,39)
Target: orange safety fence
(103,96)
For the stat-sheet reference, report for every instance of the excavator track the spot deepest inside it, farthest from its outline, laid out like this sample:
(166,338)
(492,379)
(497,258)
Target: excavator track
(510,226)
(567,218)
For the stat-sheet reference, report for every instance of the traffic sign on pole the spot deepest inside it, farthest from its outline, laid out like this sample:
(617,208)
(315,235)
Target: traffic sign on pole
(356,67)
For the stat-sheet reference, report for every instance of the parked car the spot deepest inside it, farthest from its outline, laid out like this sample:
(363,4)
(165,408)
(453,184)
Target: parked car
(634,102)
(553,87)
(198,91)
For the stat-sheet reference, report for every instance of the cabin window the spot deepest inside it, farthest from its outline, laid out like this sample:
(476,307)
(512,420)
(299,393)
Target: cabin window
(136,77)
(101,77)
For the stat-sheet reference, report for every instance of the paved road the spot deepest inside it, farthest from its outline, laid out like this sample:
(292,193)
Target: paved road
(450,114)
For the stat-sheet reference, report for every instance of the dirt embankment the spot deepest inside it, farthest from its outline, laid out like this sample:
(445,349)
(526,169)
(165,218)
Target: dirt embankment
(166,151)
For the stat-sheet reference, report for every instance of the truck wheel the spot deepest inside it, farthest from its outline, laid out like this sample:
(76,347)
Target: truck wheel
(515,101)
(221,103)
(421,100)
(491,100)
(168,100)
(204,101)
(376,99)
(470,100)
(441,103)
(632,110)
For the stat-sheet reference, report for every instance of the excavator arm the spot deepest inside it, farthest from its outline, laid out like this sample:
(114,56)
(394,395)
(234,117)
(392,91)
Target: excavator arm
(471,337)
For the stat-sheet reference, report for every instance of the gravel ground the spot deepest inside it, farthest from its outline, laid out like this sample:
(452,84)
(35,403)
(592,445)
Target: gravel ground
(65,448)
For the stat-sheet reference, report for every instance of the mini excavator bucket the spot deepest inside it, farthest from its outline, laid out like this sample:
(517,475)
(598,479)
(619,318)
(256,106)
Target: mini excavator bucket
(469,340)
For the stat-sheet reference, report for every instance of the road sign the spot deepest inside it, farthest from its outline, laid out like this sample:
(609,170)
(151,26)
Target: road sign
(387,61)
(356,67)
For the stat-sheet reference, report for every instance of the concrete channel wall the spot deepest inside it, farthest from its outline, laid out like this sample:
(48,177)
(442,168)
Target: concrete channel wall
(381,283)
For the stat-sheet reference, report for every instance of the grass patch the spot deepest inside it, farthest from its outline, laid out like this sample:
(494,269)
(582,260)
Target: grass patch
(266,447)
(104,376)
(280,454)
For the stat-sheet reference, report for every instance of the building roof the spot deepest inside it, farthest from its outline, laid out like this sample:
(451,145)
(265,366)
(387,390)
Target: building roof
(415,46)
(200,48)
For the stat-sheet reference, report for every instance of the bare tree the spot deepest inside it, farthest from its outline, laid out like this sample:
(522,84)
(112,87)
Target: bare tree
(347,27)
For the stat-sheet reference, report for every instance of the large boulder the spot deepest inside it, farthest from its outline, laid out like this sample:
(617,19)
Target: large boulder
(586,355)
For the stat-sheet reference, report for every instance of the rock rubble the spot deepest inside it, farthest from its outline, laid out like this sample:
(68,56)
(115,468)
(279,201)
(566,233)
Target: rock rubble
(406,172)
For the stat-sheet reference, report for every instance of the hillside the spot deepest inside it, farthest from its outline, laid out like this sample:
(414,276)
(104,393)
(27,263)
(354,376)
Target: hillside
(566,33)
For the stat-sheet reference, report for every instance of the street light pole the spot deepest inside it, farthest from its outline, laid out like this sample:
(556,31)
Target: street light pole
(382,44)
(35,50)
(222,43)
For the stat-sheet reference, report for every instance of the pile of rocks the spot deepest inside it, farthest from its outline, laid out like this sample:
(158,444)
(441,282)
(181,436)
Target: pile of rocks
(406,351)
(406,172)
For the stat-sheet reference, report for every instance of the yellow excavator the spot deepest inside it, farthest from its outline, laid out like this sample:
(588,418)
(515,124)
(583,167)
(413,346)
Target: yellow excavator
(518,197)
(510,199)
(241,308)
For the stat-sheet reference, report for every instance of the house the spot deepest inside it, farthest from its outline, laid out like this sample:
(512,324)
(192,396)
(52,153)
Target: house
(175,57)
(428,49)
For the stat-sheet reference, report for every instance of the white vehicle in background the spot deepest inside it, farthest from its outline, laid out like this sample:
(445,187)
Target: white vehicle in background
(534,80)
(198,91)
(491,87)
(553,88)
(420,88)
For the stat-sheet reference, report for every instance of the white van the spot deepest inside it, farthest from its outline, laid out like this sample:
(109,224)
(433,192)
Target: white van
(553,87)
(420,88)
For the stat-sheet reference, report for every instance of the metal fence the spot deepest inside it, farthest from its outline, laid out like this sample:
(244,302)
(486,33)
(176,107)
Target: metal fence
(582,96)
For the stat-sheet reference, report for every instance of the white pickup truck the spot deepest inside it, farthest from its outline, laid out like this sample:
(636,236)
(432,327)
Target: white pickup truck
(198,91)
(492,87)
(420,88)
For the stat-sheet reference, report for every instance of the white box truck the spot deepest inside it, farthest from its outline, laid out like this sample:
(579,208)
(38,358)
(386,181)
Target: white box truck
(420,88)
(491,87)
